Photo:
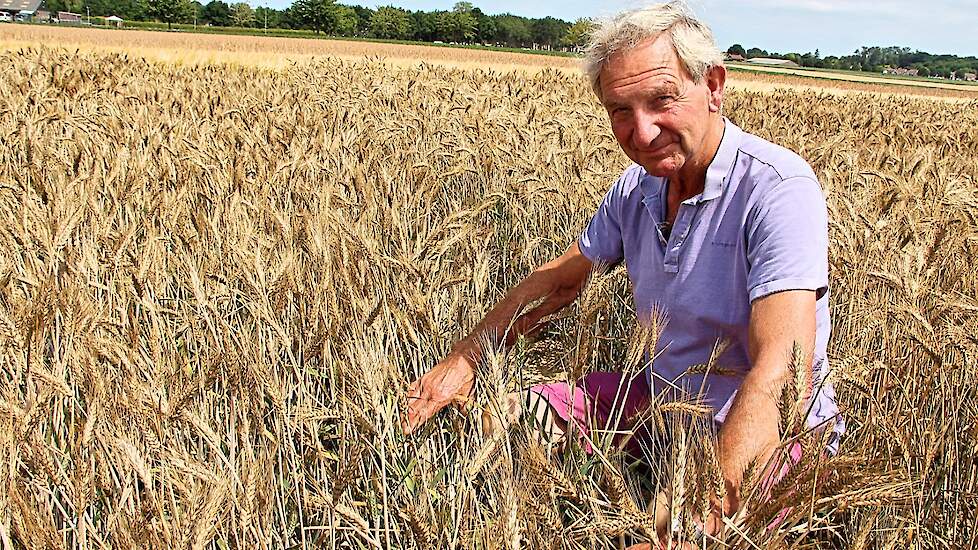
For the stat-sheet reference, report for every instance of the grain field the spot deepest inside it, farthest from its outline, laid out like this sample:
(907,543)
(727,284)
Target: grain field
(216,281)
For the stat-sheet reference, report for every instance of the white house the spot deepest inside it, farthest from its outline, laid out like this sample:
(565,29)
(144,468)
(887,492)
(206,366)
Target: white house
(772,62)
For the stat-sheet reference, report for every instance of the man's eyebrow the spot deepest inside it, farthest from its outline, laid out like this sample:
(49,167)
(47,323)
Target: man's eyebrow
(669,88)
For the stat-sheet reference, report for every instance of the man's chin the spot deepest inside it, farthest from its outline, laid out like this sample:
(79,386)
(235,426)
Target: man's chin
(661,169)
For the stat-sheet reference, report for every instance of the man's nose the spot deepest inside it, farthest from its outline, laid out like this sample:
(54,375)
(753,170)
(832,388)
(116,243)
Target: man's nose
(646,128)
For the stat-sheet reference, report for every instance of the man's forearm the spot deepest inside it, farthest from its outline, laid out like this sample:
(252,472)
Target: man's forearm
(750,430)
(510,318)
(780,324)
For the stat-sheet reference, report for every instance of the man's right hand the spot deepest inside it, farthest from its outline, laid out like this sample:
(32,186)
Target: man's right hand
(449,382)
(557,282)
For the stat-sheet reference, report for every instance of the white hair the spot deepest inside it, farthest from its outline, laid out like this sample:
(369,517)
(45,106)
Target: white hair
(691,38)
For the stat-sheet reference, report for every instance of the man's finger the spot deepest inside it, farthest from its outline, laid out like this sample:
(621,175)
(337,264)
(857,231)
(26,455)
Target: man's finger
(463,403)
(412,398)
(419,409)
(418,413)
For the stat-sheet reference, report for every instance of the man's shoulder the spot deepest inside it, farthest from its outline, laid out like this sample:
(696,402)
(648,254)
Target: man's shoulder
(632,176)
(777,162)
(629,184)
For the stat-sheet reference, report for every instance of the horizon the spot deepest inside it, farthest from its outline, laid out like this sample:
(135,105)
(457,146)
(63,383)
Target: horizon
(833,27)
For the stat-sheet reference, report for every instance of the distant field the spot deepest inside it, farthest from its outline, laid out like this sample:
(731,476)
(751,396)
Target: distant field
(279,52)
(852,76)
(269,52)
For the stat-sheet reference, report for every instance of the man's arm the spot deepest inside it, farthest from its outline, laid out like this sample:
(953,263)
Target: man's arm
(778,322)
(557,282)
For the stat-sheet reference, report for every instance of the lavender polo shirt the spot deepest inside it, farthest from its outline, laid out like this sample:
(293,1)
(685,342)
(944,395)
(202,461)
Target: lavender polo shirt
(759,227)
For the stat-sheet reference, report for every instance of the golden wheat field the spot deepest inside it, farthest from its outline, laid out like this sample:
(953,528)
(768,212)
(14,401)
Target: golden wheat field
(217,280)
(184,48)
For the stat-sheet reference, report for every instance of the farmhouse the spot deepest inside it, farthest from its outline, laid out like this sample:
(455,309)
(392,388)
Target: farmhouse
(68,17)
(902,71)
(772,62)
(21,8)
(971,77)
(734,57)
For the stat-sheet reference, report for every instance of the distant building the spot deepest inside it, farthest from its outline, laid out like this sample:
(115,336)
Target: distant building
(735,57)
(772,62)
(17,7)
(971,77)
(68,17)
(900,71)
(114,20)
(42,16)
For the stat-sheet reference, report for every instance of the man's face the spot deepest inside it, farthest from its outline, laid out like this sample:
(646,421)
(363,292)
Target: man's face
(659,116)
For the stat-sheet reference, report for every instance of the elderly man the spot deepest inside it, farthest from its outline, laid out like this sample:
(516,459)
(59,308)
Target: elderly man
(723,233)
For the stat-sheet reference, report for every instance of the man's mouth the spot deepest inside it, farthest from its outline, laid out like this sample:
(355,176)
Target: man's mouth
(655,150)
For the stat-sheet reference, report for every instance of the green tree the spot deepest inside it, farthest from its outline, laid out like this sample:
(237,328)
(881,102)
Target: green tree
(577,34)
(169,11)
(444,26)
(53,6)
(548,31)
(242,15)
(425,25)
(318,15)
(485,26)
(756,52)
(346,21)
(513,30)
(217,13)
(390,23)
(363,20)
(461,26)
(95,7)
(135,10)
(273,16)
(737,49)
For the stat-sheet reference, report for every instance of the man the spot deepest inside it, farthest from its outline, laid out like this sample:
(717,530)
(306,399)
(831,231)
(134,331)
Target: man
(723,233)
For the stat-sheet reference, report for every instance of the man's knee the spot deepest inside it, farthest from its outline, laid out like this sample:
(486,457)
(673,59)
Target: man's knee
(542,419)
(545,423)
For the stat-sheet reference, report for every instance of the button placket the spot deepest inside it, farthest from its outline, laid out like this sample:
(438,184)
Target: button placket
(653,206)
(679,233)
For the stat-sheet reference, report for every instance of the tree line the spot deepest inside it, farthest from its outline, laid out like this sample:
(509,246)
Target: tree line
(467,24)
(875,59)
(464,23)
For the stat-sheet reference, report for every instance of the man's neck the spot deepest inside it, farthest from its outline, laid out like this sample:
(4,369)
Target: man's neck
(691,179)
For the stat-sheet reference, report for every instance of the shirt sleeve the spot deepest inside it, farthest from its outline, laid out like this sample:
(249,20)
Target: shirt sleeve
(601,241)
(787,240)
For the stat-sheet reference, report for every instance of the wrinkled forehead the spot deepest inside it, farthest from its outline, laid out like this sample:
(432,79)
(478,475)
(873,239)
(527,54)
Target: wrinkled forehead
(653,56)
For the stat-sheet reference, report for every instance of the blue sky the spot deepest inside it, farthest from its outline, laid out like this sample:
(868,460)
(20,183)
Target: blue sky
(835,27)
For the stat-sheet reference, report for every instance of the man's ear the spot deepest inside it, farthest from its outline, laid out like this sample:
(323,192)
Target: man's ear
(716,77)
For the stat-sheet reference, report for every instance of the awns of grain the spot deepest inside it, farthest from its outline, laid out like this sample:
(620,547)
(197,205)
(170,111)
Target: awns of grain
(215,281)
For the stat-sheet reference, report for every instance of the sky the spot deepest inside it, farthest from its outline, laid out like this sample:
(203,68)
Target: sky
(834,27)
